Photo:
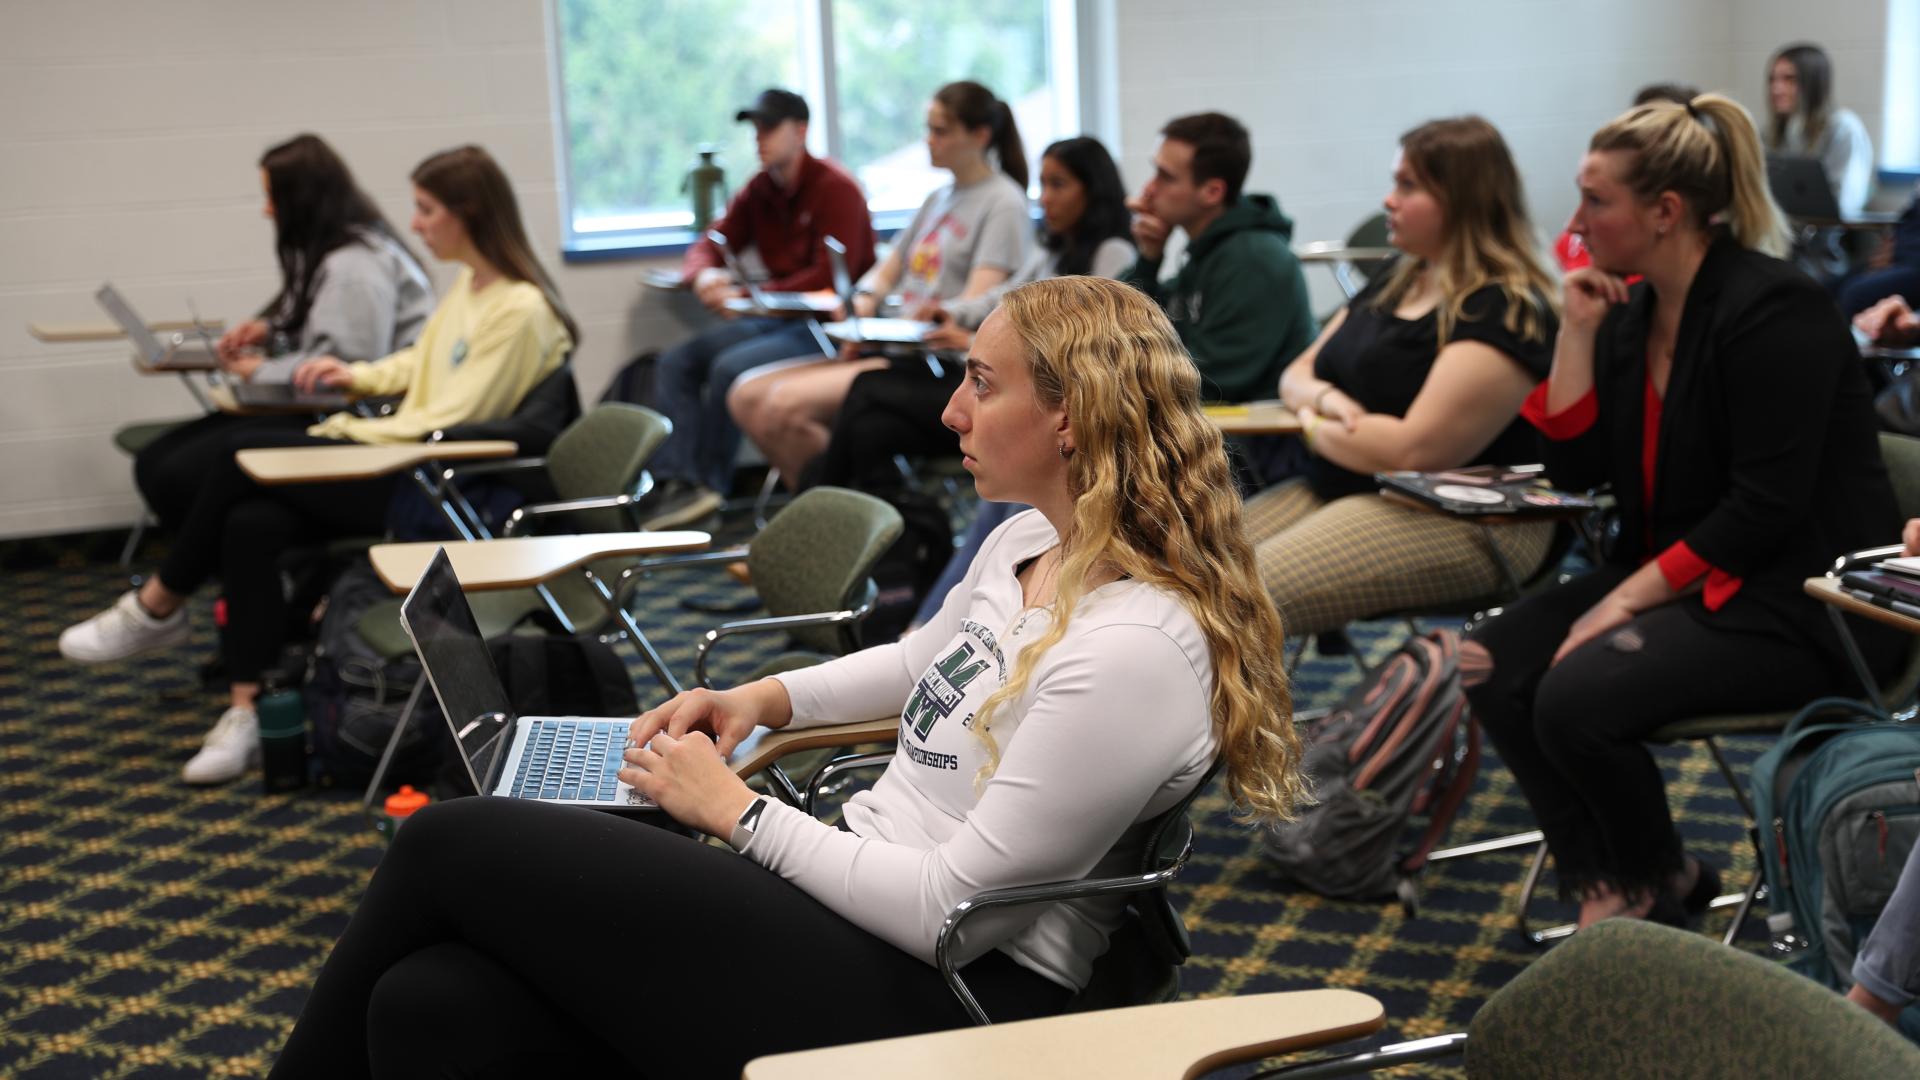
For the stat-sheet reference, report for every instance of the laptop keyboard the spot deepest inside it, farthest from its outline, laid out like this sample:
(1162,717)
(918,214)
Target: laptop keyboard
(571,759)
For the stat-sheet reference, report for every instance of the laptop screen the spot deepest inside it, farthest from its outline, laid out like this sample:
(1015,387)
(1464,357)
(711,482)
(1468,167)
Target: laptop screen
(460,670)
(143,339)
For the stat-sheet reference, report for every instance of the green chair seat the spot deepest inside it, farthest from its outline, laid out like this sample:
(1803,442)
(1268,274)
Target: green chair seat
(137,437)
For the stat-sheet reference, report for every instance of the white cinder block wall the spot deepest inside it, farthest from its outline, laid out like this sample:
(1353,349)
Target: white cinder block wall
(129,132)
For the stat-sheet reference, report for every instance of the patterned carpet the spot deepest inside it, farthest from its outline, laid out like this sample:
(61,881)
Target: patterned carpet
(152,930)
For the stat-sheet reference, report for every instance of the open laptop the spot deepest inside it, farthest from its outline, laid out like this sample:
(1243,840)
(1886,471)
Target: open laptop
(1486,490)
(286,396)
(178,353)
(1800,186)
(571,760)
(758,300)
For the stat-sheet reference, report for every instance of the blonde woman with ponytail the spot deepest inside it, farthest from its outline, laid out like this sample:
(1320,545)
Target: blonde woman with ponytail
(1723,400)
(1104,650)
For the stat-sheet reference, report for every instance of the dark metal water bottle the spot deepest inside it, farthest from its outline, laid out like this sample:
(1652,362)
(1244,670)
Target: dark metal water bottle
(283,739)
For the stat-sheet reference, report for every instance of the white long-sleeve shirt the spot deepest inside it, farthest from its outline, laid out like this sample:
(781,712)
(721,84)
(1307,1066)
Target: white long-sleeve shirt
(1114,728)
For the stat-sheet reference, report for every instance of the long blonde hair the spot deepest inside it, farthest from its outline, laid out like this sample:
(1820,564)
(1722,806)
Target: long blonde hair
(1708,153)
(1154,501)
(1488,237)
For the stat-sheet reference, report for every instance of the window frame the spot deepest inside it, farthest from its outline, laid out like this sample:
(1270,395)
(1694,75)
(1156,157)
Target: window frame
(1079,32)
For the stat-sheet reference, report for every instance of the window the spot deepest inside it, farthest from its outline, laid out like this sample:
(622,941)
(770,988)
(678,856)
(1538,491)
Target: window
(1901,151)
(644,85)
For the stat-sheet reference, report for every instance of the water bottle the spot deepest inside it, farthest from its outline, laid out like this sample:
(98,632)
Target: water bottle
(1787,941)
(708,182)
(399,806)
(283,739)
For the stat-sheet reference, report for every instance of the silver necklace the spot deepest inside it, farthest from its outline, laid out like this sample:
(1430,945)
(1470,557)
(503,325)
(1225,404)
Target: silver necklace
(1031,610)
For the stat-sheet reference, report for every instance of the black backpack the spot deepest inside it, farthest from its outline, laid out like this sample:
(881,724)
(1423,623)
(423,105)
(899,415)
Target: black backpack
(354,698)
(1388,753)
(633,383)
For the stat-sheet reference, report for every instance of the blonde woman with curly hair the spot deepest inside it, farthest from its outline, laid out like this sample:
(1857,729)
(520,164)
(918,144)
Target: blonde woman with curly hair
(1103,651)
(1425,369)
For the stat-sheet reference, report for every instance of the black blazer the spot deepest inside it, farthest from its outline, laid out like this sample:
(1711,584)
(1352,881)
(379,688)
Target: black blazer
(1769,460)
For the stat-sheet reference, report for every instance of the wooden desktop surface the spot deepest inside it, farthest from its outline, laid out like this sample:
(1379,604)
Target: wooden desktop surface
(1181,1039)
(63,333)
(1261,419)
(522,562)
(1827,590)
(326,464)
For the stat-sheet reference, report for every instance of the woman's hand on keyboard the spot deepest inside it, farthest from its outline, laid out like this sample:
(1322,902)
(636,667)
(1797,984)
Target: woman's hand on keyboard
(729,716)
(686,777)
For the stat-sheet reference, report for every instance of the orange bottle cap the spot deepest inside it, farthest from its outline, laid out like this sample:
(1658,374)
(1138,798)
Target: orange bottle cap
(405,801)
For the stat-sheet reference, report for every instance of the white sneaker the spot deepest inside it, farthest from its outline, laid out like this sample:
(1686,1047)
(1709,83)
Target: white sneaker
(123,630)
(231,748)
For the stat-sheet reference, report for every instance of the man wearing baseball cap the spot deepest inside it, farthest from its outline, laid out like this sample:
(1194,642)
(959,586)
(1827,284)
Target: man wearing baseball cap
(785,212)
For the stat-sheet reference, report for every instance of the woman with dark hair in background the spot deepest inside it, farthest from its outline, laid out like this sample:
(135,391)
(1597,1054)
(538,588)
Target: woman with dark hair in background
(968,237)
(348,287)
(500,329)
(1723,399)
(1806,123)
(896,410)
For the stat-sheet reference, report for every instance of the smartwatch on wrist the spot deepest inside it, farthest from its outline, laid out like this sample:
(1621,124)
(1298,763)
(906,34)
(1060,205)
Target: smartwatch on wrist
(749,820)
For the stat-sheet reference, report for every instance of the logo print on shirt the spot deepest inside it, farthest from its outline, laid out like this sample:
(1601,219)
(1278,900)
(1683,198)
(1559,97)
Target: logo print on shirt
(459,352)
(941,689)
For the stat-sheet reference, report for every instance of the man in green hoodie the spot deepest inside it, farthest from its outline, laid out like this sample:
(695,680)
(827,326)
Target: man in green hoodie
(1240,302)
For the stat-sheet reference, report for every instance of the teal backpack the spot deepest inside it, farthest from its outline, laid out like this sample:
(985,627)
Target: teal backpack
(1837,800)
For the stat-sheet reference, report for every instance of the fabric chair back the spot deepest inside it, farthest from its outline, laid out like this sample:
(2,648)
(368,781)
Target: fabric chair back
(603,454)
(1902,455)
(816,555)
(1631,998)
(1143,958)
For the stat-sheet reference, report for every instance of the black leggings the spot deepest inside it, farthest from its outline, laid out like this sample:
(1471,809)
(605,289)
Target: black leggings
(239,530)
(1571,734)
(170,470)
(892,410)
(509,938)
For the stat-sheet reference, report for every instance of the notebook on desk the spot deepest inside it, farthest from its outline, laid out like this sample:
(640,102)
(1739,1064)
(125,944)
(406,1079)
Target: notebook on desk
(179,353)
(1485,491)
(571,760)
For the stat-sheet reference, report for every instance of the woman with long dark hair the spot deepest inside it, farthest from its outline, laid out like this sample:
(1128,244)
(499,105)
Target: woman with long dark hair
(1085,229)
(499,330)
(967,238)
(1804,121)
(348,287)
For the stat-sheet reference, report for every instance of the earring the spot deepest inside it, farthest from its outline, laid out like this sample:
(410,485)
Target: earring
(1065,451)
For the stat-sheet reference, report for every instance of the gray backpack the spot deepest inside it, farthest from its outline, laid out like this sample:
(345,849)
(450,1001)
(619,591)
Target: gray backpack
(1401,745)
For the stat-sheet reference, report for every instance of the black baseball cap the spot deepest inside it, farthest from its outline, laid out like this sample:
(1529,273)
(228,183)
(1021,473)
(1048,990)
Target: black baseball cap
(773,106)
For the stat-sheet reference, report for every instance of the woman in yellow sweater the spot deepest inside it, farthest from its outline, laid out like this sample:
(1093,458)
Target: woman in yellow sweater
(499,330)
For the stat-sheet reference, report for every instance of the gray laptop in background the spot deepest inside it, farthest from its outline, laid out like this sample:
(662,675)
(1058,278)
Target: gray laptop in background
(179,353)
(759,300)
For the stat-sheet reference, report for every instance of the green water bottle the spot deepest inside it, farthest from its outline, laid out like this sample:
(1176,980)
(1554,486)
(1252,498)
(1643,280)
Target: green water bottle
(283,739)
(708,182)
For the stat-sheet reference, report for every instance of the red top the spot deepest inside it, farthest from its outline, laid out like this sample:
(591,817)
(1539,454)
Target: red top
(787,225)
(1679,564)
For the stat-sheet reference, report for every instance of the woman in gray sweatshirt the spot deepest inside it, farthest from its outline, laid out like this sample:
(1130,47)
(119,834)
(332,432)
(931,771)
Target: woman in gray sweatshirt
(348,288)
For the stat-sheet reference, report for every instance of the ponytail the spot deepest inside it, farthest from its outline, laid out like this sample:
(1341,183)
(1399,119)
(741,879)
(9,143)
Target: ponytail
(1751,213)
(974,107)
(1007,144)
(1707,151)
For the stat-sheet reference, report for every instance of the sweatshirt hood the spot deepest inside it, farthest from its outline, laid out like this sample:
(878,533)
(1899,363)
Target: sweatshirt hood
(1253,213)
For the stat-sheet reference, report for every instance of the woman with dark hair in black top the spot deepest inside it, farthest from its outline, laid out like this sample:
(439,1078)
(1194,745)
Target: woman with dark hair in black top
(1085,229)
(1723,400)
